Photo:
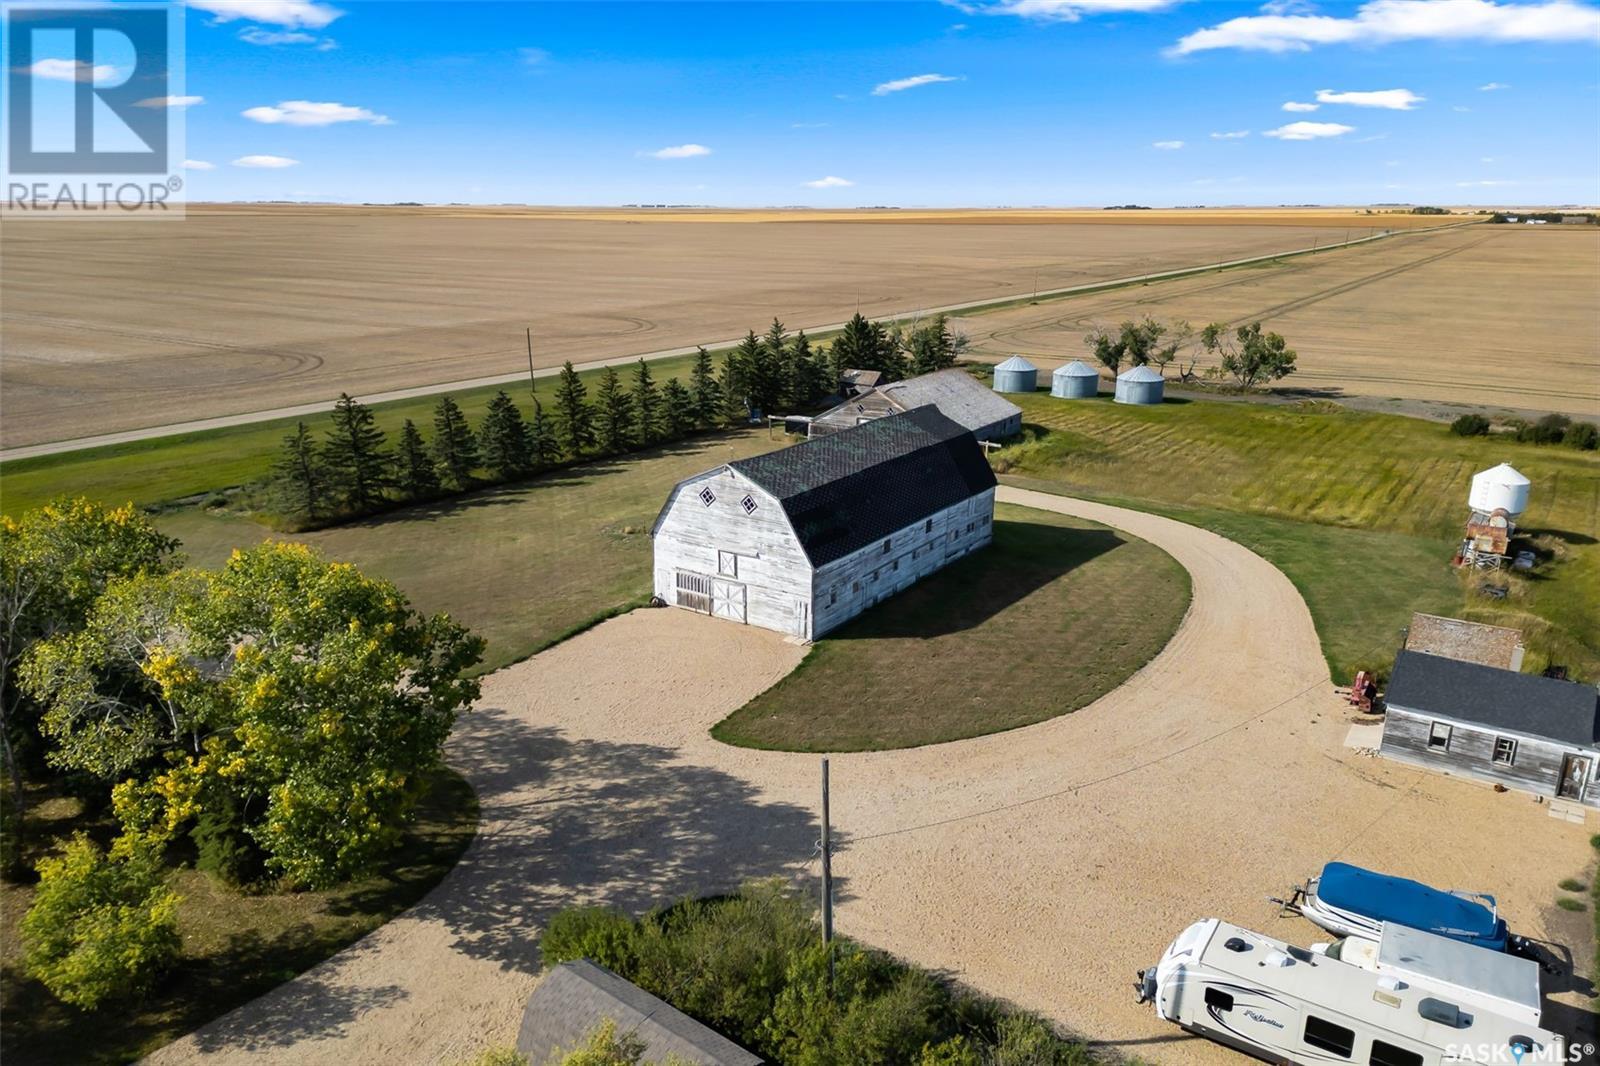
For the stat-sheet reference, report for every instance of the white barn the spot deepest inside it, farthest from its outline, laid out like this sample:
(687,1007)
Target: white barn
(805,538)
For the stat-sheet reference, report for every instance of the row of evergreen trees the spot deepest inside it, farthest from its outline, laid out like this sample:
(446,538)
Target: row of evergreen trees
(353,471)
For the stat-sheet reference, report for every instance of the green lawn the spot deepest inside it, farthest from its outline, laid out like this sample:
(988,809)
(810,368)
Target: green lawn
(159,471)
(235,946)
(1362,511)
(522,565)
(1055,613)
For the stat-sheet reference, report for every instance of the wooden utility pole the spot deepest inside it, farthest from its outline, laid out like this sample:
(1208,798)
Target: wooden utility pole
(533,384)
(827,871)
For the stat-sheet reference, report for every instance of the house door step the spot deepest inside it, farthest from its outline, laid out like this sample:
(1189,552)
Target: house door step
(1567,811)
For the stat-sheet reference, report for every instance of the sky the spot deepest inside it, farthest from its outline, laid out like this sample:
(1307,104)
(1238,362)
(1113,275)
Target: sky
(839,104)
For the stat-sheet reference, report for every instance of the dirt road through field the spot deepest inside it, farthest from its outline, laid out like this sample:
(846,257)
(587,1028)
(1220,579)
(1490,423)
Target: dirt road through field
(1044,865)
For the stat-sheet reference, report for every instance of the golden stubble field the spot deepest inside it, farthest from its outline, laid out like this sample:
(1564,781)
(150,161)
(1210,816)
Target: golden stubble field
(114,326)
(1500,316)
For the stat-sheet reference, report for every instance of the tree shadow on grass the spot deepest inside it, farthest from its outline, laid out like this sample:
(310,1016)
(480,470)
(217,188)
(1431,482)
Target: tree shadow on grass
(1023,558)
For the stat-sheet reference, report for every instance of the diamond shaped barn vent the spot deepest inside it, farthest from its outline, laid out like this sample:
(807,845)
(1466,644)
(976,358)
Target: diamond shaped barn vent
(749,504)
(707,497)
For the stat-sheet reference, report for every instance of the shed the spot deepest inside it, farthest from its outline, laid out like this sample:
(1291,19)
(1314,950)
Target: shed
(957,394)
(575,997)
(1536,734)
(1075,381)
(1140,385)
(855,382)
(1016,375)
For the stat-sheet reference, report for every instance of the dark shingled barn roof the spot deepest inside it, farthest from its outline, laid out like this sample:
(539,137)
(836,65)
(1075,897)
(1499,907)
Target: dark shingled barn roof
(844,491)
(1495,698)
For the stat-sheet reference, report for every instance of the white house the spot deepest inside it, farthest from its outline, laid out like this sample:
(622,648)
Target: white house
(802,539)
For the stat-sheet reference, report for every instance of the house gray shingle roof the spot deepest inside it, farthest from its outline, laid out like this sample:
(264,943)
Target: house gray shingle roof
(846,490)
(1494,698)
(575,997)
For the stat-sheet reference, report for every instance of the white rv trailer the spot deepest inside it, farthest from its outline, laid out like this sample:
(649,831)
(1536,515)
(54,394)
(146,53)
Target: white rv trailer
(1493,980)
(1285,1004)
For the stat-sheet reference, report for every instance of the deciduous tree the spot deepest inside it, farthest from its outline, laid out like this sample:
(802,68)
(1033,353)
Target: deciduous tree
(1252,357)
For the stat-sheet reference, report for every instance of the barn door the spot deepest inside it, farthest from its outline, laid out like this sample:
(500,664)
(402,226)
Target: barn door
(694,591)
(729,600)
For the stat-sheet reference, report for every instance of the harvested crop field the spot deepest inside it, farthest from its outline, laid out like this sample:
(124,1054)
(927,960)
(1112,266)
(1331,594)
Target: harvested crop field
(1497,316)
(238,309)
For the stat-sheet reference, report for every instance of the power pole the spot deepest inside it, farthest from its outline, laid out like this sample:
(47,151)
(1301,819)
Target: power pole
(533,385)
(827,874)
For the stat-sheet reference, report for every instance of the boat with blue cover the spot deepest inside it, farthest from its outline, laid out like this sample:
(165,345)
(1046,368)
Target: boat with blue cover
(1347,900)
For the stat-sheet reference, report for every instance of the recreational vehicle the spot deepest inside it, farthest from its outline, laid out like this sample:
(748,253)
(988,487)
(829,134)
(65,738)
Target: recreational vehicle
(1349,901)
(1286,1004)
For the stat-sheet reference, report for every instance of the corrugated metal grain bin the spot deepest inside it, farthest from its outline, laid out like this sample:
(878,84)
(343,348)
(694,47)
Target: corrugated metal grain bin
(1140,385)
(1075,381)
(1016,375)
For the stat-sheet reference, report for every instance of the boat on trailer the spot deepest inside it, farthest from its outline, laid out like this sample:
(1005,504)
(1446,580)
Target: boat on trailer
(1349,901)
(1286,1004)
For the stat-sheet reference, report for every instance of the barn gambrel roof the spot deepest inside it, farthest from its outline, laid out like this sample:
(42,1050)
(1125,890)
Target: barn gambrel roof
(844,491)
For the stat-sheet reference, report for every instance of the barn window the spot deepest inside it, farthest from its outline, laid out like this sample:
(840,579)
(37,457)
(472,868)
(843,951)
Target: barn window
(707,497)
(886,547)
(895,565)
(833,595)
(694,592)
(855,586)
(1505,751)
(727,564)
(927,527)
(1439,736)
(1329,1037)
(749,504)
(969,527)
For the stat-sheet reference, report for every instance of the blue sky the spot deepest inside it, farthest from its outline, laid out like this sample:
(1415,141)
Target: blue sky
(1012,102)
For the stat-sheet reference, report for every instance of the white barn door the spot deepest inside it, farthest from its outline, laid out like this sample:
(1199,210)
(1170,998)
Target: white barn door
(728,600)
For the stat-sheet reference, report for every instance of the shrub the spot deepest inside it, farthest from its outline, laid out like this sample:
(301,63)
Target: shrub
(101,927)
(1567,903)
(1572,884)
(496,1056)
(603,936)
(1024,1040)
(224,848)
(1551,429)
(1470,426)
(1585,436)
(957,1051)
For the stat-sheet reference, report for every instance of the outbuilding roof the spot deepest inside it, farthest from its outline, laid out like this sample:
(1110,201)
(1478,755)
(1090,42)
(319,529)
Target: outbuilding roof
(1499,699)
(1077,369)
(1139,373)
(844,491)
(957,394)
(1016,362)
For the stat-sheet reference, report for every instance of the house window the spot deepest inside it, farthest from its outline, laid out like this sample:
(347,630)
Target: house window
(1505,751)
(707,497)
(927,527)
(886,547)
(749,504)
(1389,1055)
(1439,736)
(727,564)
(1329,1037)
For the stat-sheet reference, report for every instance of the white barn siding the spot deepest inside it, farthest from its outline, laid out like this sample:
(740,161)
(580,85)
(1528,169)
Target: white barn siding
(771,575)
(846,587)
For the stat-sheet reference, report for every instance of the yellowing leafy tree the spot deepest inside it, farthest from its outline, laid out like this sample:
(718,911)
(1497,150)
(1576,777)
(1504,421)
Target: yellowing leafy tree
(283,684)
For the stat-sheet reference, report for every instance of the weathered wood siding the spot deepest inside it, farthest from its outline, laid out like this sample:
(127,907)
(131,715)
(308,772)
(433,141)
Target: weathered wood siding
(1535,768)
(846,587)
(768,563)
(852,413)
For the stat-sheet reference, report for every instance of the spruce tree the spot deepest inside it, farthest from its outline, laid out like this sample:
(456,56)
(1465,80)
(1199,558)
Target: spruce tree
(860,346)
(777,354)
(358,466)
(613,421)
(810,372)
(574,419)
(542,437)
(455,448)
(299,480)
(933,347)
(418,478)
(646,406)
(677,409)
(760,377)
(734,388)
(705,391)
(507,447)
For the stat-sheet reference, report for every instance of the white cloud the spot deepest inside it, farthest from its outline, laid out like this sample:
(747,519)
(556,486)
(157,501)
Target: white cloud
(1308,131)
(267,38)
(70,70)
(1487,159)
(533,57)
(198,164)
(265,162)
(1295,105)
(311,113)
(902,84)
(1390,99)
(294,14)
(1063,10)
(171,101)
(1385,21)
(1231,135)
(1167,146)
(1493,86)
(678,151)
(829,182)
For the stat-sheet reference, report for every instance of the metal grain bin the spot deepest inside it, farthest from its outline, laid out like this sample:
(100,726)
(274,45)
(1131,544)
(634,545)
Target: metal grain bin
(1016,375)
(1140,385)
(1075,381)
